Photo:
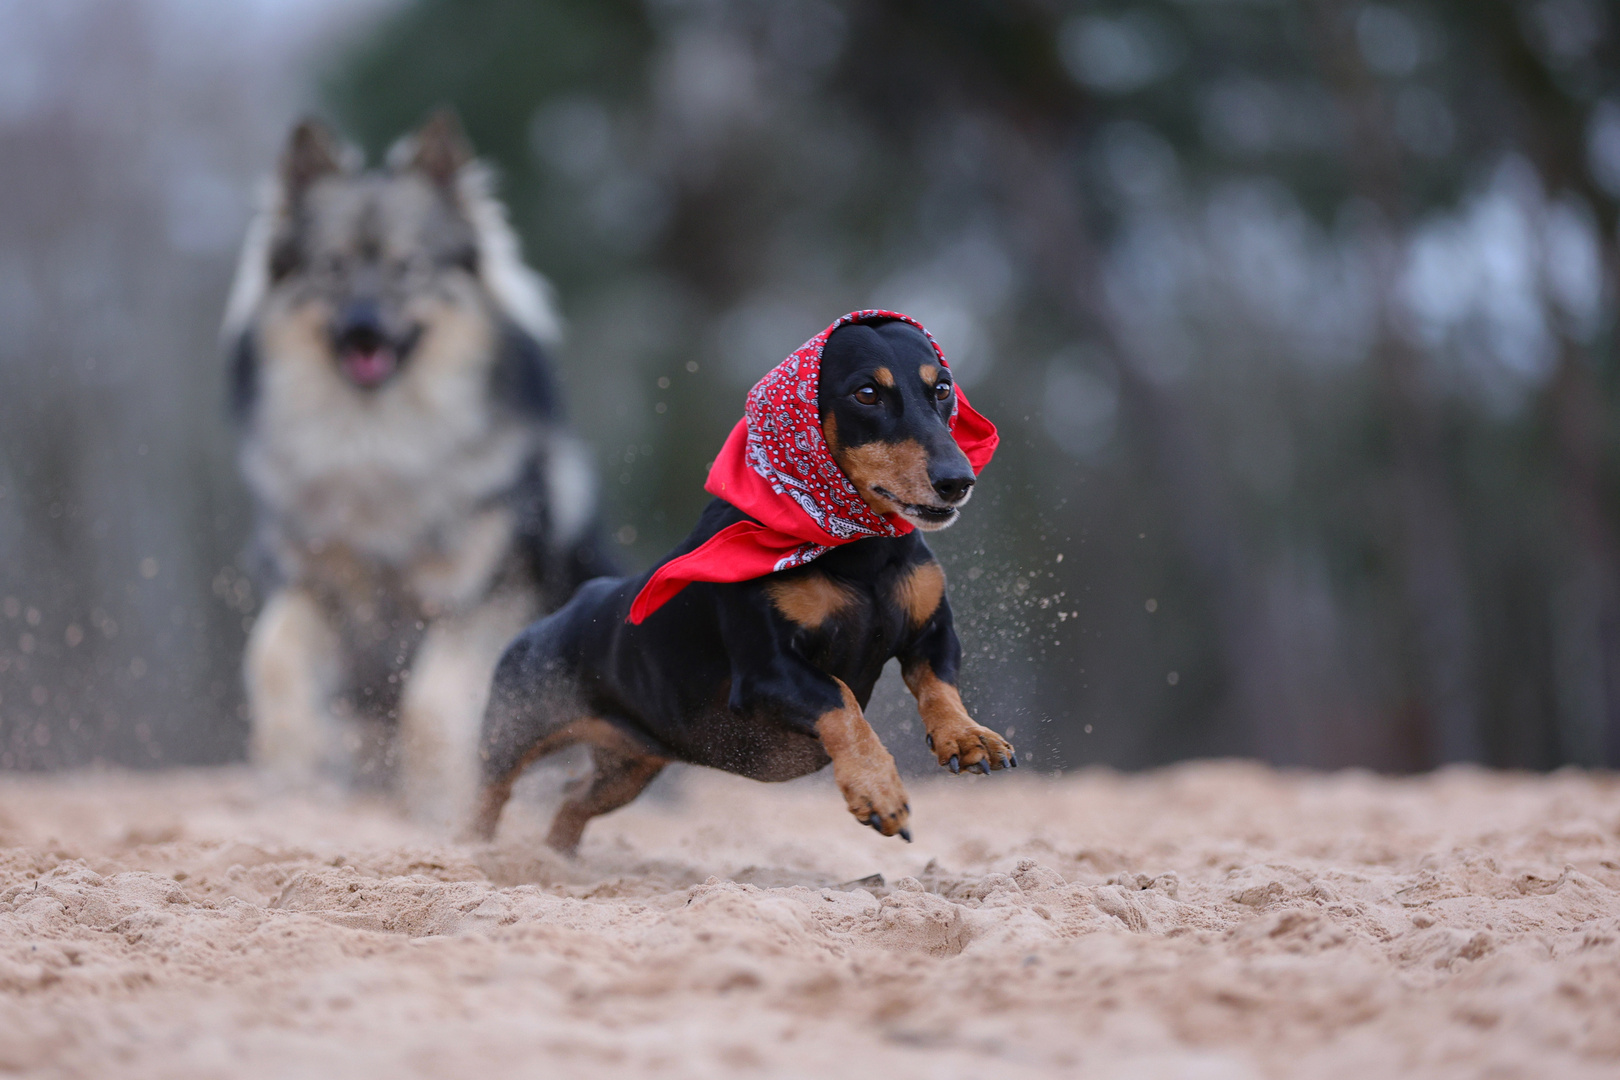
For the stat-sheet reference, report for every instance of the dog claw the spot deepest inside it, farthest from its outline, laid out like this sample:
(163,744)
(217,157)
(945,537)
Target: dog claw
(930,742)
(983,767)
(905,834)
(955,765)
(1013,760)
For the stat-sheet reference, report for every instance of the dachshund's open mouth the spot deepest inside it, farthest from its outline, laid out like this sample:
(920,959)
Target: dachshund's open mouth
(935,517)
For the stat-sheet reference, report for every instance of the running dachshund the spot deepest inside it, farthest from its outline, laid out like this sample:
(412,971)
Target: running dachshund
(755,645)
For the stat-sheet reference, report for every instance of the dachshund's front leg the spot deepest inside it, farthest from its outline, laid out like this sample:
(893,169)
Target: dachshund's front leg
(864,769)
(956,739)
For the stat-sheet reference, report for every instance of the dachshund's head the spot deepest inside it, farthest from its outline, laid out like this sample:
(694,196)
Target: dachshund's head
(885,402)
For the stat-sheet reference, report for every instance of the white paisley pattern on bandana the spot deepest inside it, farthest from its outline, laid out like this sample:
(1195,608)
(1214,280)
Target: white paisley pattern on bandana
(786,447)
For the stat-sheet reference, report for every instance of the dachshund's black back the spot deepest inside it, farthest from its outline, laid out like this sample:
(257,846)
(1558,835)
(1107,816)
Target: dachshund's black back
(669,682)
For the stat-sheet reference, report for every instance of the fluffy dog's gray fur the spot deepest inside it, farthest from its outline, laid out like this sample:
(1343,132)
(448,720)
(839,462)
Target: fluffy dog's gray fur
(418,501)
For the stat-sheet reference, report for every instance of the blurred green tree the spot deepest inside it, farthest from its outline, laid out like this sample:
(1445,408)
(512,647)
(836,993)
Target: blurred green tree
(1298,320)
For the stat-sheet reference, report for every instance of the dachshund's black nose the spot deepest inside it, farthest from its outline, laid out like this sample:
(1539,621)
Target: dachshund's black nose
(954,489)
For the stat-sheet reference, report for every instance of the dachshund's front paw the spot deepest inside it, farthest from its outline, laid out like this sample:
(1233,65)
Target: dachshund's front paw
(962,744)
(864,769)
(877,798)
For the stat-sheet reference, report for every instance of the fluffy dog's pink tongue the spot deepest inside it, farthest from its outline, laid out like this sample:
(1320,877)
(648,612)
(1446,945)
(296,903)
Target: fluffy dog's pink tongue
(369,367)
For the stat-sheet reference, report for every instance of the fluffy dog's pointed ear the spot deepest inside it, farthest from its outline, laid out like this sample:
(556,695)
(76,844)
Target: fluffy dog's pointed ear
(440,148)
(313,151)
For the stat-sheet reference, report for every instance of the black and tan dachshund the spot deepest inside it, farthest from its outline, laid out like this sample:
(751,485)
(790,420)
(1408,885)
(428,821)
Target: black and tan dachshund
(767,677)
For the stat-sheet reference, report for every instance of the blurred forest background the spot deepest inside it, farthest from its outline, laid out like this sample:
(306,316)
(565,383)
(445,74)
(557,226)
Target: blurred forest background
(1297,316)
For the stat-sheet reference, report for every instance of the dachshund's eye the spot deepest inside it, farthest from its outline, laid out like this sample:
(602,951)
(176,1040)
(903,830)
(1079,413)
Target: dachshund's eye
(867,395)
(942,392)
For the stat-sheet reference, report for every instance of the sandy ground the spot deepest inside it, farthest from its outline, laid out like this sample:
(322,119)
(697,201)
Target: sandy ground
(1208,921)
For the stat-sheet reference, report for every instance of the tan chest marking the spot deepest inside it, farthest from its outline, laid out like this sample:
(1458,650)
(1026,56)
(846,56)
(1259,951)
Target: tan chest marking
(919,592)
(811,600)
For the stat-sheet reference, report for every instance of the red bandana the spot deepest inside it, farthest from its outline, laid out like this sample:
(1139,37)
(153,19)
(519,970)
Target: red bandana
(777,469)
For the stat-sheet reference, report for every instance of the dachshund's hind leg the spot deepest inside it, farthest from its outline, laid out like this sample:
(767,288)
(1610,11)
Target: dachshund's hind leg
(620,773)
(533,711)
(620,770)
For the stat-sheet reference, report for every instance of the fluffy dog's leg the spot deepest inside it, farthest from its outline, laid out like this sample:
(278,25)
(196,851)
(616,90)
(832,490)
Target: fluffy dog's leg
(442,705)
(291,669)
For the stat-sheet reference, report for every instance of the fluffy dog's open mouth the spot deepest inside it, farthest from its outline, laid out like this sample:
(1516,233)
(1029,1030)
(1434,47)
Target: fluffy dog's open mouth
(922,513)
(368,359)
(368,367)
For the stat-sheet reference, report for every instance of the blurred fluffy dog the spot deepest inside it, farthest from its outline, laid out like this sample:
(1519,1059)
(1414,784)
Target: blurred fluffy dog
(417,500)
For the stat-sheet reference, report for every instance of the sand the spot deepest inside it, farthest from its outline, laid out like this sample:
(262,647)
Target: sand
(1207,921)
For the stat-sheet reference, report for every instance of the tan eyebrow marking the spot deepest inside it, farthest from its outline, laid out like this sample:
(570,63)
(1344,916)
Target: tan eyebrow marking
(929,373)
(884,376)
